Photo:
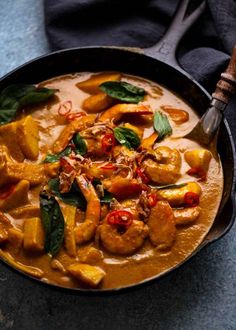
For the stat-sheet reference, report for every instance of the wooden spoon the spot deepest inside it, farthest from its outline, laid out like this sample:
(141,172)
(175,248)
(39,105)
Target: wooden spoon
(205,132)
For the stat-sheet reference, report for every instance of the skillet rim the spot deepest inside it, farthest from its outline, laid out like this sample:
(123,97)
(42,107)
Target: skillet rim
(205,242)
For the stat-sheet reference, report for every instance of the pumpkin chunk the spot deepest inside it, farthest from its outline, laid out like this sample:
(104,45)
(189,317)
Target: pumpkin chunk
(9,138)
(69,213)
(87,274)
(33,235)
(92,84)
(90,255)
(97,103)
(176,196)
(12,172)
(198,158)
(28,137)
(179,116)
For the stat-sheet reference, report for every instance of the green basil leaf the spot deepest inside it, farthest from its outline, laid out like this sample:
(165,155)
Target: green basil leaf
(14,97)
(162,125)
(73,197)
(6,115)
(53,223)
(107,198)
(36,96)
(52,158)
(80,145)
(123,91)
(127,137)
(169,186)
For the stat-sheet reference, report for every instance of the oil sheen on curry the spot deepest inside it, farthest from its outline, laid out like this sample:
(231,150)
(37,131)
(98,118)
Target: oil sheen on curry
(97,187)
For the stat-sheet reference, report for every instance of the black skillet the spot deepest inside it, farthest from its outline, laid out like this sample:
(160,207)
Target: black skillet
(158,64)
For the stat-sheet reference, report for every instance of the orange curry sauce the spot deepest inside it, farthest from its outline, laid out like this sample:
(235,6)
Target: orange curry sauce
(115,253)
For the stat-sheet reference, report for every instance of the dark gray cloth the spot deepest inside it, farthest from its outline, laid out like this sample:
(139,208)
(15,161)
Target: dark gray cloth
(203,52)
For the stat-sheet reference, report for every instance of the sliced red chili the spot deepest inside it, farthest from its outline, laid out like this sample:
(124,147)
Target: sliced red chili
(197,171)
(108,142)
(65,108)
(66,166)
(191,199)
(120,218)
(109,166)
(6,191)
(140,172)
(75,115)
(152,199)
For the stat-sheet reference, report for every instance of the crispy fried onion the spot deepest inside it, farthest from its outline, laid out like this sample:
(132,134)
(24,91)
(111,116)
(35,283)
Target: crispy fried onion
(97,129)
(143,207)
(69,168)
(127,171)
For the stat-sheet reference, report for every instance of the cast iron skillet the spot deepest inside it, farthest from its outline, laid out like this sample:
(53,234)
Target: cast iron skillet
(159,64)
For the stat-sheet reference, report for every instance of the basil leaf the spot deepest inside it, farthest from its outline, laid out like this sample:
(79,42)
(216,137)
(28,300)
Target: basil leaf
(53,223)
(52,158)
(73,197)
(127,137)
(6,115)
(80,145)
(169,186)
(107,198)
(162,125)
(14,97)
(123,91)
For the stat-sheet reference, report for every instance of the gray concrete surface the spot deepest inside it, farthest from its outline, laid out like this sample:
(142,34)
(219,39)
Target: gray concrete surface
(200,295)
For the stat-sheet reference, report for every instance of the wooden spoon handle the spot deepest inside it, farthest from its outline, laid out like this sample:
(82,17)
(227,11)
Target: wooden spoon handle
(226,86)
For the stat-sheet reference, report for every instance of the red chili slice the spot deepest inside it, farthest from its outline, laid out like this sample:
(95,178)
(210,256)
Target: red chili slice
(120,218)
(152,199)
(65,108)
(75,115)
(108,142)
(191,199)
(142,175)
(6,191)
(109,166)
(65,165)
(197,171)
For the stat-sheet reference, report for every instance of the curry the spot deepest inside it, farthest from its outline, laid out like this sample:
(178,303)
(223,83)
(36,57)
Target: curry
(97,187)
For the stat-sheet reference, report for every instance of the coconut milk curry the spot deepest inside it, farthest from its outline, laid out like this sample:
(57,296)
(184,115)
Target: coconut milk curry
(96,191)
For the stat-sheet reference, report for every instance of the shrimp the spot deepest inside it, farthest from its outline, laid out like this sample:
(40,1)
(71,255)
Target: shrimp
(148,142)
(165,169)
(162,226)
(118,110)
(68,132)
(186,216)
(85,231)
(126,243)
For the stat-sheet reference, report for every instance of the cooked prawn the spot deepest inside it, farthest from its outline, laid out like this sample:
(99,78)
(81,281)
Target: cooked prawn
(66,135)
(165,169)
(162,226)
(186,216)
(126,243)
(118,110)
(85,231)
(148,142)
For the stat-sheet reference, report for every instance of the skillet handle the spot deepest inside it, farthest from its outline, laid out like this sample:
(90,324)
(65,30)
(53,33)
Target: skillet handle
(166,48)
